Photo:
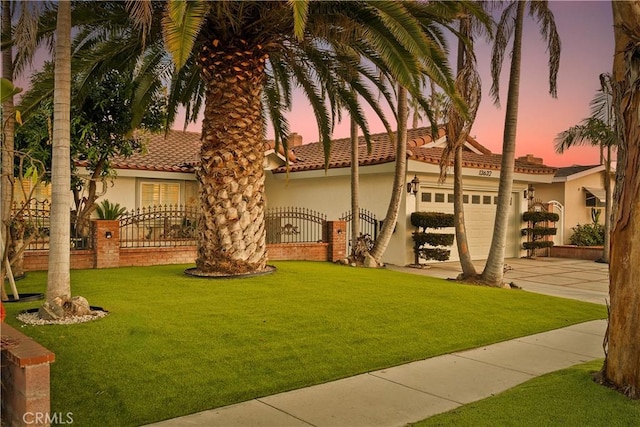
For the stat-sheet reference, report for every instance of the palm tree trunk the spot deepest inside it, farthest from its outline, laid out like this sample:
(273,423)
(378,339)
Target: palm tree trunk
(623,334)
(468,269)
(8,127)
(606,248)
(231,231)
(58,278)
(493,273)
(399,179)
(355,188)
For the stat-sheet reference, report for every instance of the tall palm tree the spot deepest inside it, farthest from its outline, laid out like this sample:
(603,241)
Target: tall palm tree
(58,277)
(511,24)
(469,86)
(599,129)
(623,333)
(6,152)
(249,54)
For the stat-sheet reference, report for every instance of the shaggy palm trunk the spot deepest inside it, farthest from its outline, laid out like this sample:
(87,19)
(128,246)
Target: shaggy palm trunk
(493,273)
(622,364)
(231,231)
(58,278)
(399,178)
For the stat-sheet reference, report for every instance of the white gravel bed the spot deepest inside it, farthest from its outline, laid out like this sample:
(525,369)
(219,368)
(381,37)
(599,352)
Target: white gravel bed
(33,319)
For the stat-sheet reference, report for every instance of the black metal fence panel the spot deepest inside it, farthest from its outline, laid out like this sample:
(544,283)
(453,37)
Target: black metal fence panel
(369,225)
(294,225)
(31,225)
(159,226)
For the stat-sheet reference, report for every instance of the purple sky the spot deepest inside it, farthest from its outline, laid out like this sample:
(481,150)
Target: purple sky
(586,33)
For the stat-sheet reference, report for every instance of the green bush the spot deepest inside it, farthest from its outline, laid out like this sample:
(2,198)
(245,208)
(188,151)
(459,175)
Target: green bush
(587,235)
(426,220)
(540,231)
(433,239)
(537,244)
(111,211)
(534,216)
(437,254)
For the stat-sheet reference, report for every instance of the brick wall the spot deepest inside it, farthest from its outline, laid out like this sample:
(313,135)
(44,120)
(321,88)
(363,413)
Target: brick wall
(25,381)
(108,253)
(590,253)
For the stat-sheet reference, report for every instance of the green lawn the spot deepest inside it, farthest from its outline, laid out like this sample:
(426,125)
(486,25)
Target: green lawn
(564,398)
(174,345)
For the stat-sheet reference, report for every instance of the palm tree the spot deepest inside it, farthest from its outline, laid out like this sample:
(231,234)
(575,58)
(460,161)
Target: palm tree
(511,23)
(58,277)
(599,129)
(8,125)
(468,84)
(623,333)
(248,55)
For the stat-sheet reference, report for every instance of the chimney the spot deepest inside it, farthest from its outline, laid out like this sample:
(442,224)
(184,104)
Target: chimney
(530,159)
(294,140)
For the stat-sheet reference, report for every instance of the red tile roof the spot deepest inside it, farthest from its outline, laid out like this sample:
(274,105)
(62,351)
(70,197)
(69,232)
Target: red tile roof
(179,152)
(311,156)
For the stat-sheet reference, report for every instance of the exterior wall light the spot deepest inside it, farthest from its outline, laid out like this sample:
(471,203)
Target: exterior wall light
(108,235)
(412,187)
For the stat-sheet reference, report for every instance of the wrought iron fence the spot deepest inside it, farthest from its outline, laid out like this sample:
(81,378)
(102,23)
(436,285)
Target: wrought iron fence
(158,226)
(294,225)
(369,225)
(31,222)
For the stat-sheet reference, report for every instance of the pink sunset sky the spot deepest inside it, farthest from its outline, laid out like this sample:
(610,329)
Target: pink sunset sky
(586,34)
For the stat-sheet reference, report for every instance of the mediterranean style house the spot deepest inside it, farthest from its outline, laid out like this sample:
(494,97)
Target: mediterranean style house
(164,174)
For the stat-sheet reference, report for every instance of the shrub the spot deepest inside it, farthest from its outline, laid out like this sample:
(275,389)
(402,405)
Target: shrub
(429,245)
(426,220)
(587,235)
(534,216)
(108,210)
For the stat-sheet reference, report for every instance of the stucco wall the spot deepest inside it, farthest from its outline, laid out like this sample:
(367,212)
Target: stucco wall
(573,197)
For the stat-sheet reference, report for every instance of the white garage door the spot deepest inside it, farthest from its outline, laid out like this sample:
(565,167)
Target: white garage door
(479,214)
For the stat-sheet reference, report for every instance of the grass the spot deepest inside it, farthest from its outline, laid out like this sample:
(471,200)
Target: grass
(175,345)
(568,397)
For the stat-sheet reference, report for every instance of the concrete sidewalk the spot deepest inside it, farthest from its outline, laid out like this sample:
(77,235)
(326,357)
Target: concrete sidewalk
(409,393)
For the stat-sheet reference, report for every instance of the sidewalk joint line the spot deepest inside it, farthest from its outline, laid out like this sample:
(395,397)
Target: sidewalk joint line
(283,411)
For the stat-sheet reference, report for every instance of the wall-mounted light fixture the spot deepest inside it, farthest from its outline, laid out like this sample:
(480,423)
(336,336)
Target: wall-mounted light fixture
(108,235)
(412,187)
(531,192)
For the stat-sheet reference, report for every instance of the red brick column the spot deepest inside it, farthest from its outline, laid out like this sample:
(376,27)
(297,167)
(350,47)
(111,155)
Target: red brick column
(106,241)
(336,236)
(25,381)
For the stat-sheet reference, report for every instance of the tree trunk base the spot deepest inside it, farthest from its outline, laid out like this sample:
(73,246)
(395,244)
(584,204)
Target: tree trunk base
(196,272)
(61,308)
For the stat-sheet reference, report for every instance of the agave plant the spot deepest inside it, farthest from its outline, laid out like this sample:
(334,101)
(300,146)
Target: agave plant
(111,211)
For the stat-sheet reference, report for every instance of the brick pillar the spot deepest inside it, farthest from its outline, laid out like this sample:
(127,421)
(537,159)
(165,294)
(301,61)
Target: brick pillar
(25,381)
(106,241)
(336,236)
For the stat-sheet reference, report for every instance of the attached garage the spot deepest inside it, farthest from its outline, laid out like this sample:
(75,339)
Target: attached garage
(480,211)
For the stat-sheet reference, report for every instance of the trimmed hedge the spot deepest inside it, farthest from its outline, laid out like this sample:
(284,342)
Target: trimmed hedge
(534,216)
(540,231)
(537,244)
(433,239)
(426,220)
(437,254)
(429,245)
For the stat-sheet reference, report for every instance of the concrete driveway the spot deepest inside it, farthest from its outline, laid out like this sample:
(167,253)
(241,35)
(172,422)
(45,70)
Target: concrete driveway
(561,277)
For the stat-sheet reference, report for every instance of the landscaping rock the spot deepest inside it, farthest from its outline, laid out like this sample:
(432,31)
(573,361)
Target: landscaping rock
(79,306)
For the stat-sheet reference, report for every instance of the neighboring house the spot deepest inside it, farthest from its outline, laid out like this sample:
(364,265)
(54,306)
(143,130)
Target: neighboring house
(574,193)
(164,174)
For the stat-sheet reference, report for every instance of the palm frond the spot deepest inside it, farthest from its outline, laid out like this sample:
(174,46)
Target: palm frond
(181,24)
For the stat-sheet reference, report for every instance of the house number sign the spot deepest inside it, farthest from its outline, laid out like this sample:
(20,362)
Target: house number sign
(483,172)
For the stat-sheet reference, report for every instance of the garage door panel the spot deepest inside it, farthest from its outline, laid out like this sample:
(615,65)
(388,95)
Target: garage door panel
(479,211)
